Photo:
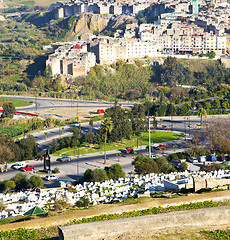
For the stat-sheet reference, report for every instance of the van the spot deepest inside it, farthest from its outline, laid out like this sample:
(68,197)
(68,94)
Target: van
(211,158)
(201,158)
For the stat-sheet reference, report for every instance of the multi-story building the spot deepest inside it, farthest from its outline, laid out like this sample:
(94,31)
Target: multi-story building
(110,50)
(71,60)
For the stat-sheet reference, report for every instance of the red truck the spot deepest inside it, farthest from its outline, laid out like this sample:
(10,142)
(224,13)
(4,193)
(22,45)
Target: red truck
(100,111)
(129,150)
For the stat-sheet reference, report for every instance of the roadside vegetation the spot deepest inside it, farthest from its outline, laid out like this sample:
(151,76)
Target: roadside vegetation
(52,232)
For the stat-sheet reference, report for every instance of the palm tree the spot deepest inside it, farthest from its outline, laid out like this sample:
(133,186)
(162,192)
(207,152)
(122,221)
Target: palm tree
(106,127)
(201,112)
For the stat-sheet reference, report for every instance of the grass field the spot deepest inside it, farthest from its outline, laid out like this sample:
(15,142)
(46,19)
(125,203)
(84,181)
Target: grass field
(16,102)
(157,137)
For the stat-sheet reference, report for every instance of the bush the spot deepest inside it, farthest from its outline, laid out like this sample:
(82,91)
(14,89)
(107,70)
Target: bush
(56,170)
(83,202)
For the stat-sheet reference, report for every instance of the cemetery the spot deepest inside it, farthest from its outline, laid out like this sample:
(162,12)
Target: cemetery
(17,204)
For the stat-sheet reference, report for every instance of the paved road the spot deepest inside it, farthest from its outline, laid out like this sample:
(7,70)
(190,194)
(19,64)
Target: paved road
(179,124)
(50,103)
(75,169)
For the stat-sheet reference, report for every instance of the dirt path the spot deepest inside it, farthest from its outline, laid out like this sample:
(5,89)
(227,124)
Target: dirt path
(115,208)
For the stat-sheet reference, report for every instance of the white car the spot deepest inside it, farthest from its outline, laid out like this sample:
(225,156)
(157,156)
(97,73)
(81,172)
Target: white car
(51,177)
(17,166)
(193,160)
(154,156)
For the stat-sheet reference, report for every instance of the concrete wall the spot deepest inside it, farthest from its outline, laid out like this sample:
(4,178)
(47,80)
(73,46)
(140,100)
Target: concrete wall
(146,224)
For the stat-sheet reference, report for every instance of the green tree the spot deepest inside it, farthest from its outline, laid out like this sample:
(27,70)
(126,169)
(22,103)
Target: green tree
(8,110)
(54,146)
(183,166)
(88,175)
(28,147)
(10,184)
(225,104)
(115,171)
(36,181)
(144,165)
(201,112)
(106,127)
(21,180)
(99,175)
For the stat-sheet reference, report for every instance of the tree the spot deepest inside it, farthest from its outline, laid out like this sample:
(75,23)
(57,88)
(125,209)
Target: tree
(218,136)
(88,175)
(115,171)
(106,127)
(99,175)
(225,104)
(54,146)
(201,112)
(183,166)
(144,165)
(8,110)
(36,181)
(10,184)
(6,153)
(21,181)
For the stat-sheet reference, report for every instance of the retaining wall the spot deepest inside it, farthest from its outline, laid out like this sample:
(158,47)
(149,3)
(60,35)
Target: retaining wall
(109,229)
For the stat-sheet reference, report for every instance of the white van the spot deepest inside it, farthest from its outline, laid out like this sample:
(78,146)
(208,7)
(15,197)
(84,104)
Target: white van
(201,158)
(19,165)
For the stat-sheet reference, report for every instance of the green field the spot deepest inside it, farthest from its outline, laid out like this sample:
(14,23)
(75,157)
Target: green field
(157,137)
(17,102)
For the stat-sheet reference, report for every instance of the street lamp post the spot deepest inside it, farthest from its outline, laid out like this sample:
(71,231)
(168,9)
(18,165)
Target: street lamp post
(36,99)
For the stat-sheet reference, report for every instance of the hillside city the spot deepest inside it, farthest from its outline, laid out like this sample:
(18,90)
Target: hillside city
(114,119)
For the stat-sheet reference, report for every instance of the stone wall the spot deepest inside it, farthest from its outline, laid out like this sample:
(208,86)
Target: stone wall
(146,224)
(200,182)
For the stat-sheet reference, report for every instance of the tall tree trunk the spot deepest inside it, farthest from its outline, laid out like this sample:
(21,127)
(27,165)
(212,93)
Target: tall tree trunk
(105,146)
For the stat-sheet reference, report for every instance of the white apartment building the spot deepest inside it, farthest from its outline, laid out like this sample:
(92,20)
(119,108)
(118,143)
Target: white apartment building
(111,50)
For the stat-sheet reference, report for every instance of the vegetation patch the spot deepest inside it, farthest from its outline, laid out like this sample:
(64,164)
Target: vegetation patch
(217,234)
(154,210)
(16,102)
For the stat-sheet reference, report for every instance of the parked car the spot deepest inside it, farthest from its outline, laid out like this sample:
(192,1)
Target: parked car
(129,150)
(51,177)
(201,158)
(64,159)
(193,160)
(162,146)
(100,111)
(176,163)
(211,158)
(17,166)
(221,158)
(154,156)
(195,140)
(27,168)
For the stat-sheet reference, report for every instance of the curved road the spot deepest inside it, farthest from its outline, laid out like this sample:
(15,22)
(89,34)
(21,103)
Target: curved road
(49,103)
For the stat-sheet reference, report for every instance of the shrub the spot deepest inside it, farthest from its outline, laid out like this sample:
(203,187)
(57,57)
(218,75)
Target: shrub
(56,170)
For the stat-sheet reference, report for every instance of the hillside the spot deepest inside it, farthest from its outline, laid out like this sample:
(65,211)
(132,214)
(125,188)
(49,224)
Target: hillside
(70,28)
